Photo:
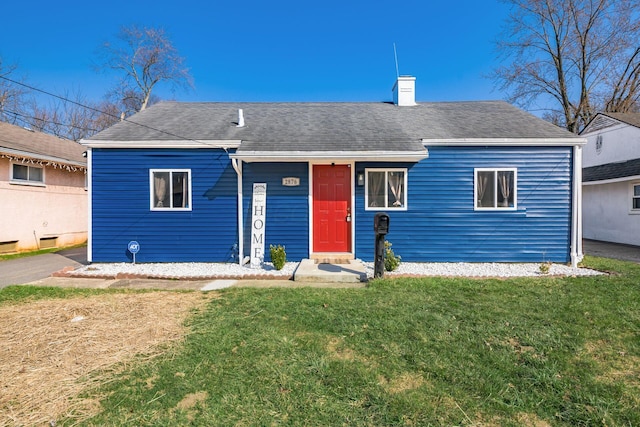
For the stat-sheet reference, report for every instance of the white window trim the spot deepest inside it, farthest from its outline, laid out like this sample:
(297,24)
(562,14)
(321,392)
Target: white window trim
(386,189)
(170,190)
(495,190)
(18,181)
(633,211)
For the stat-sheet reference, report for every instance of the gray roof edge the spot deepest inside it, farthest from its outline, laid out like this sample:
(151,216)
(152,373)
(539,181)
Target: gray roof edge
(42,157)
(577,140)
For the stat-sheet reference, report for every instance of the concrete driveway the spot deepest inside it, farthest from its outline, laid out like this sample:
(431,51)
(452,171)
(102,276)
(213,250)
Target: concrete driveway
(32,268)
(611,250)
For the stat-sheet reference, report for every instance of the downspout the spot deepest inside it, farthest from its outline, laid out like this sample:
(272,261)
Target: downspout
(89,206)
(579,179)
(576,211)
(237,166)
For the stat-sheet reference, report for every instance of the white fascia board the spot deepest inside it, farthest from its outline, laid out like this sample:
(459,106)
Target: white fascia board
(191,143)
(298,156)
(613,180)
(41,157)
(504,141)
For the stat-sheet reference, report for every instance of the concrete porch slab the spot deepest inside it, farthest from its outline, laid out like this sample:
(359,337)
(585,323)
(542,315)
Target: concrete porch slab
(344,272)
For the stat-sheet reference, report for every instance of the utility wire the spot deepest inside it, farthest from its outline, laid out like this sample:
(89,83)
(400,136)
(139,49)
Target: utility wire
(99,111)
(15,113)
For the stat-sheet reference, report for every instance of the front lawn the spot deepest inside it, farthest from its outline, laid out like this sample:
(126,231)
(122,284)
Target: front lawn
(436,351)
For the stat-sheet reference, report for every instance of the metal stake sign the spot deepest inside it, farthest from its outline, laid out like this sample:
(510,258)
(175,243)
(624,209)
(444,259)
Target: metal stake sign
(134,248)
(258,218)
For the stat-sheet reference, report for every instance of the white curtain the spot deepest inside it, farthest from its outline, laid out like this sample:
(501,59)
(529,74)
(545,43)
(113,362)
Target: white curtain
(504,181)
(185,196)
(376,181)
(482,187)
(396,185)
(160,185)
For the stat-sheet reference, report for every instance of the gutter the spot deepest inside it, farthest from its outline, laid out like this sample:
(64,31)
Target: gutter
(505,141)
(306,156)
(186,143)
(42,157)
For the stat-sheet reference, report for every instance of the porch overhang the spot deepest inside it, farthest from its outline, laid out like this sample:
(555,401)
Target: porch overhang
(358,156)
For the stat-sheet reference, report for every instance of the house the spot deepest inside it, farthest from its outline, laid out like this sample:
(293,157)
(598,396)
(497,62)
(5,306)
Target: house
(611,178)
(213,182)
(42,190)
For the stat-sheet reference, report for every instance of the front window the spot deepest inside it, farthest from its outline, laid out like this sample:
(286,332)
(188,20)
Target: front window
(495,189)
(386,189)
(27,174)
(170,189)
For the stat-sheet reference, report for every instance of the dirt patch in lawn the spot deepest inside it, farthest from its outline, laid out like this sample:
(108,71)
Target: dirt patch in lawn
(53,350)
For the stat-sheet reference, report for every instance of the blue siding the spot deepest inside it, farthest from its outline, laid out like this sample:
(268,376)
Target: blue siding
(121,213)
(287,207)
(441,225)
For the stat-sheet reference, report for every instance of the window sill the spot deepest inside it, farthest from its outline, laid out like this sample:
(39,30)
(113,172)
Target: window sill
(27,183)
(382,208)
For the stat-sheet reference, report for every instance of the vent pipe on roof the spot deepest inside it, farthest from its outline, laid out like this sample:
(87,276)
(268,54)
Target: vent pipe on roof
(240,118)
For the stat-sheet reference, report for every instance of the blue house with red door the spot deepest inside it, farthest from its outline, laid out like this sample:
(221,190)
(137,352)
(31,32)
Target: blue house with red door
(460,181)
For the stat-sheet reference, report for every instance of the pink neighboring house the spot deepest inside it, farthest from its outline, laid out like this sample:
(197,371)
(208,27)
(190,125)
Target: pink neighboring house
(43,197)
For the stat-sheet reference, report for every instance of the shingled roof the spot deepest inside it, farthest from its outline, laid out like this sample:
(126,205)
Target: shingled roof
(611,171)
(330,126)
(18,141)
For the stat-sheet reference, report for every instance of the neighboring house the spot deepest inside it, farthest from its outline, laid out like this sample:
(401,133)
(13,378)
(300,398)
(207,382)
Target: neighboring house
(461,181)
(611,178)
(42,190)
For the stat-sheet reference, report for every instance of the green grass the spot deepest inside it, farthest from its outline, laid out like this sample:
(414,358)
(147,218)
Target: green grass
(16,294)
(437,351)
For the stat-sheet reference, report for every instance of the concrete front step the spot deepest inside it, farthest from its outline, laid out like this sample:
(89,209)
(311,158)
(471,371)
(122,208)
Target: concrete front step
(343,271)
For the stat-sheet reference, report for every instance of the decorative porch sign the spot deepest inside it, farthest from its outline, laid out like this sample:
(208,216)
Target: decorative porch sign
(258,218)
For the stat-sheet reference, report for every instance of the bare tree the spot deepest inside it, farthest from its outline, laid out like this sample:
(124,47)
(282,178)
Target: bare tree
(72,116)
(144,58)
(573,57)
(12,95)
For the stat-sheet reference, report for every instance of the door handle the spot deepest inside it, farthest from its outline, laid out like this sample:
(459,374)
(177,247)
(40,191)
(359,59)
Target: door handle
(348,217)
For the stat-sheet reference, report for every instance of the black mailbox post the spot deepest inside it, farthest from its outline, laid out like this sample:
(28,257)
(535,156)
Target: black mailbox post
(381,228)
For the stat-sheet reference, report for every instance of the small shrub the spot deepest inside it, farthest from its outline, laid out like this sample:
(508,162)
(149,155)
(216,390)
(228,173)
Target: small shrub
(278,256)
(391,260)
(545,267)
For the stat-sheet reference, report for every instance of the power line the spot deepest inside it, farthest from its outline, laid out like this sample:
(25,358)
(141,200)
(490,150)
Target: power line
(100,111)
(49,121)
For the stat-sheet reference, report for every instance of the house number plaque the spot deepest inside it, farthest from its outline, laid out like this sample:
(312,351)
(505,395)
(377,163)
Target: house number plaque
(291,181)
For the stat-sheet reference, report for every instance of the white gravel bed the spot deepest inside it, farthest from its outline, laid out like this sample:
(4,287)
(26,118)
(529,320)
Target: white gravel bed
(495,269)
(186,269)
(195,270)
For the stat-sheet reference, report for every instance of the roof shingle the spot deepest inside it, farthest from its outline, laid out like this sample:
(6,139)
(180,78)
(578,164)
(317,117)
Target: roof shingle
(331,126)
(40,145)
(611,171)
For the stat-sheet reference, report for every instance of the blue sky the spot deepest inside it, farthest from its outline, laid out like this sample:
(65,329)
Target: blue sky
(247,50)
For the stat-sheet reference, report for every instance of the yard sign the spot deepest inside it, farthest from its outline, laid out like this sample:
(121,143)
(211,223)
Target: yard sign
(258,224)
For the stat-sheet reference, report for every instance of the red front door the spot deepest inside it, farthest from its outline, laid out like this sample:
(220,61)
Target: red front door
(331,208)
